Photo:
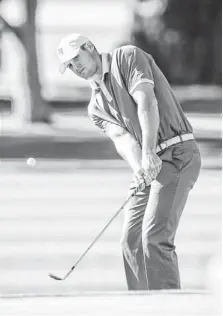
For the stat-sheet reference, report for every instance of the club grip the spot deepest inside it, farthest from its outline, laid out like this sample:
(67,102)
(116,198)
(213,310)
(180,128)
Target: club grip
(139,188)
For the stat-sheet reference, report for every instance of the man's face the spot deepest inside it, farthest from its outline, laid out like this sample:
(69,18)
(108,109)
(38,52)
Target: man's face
(84,64)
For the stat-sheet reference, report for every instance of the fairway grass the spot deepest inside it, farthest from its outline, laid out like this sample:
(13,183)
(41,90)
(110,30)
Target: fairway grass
(113,303)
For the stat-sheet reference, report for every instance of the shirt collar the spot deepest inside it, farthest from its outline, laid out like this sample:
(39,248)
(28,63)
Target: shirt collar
(105,57)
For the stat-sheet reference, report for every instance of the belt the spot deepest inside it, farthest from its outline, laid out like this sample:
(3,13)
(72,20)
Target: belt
(173,141)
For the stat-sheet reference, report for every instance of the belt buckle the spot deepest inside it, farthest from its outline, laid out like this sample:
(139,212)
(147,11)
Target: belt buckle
(164,145)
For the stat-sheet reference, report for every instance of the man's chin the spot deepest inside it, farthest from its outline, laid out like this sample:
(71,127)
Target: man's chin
(91,76)
(86,75)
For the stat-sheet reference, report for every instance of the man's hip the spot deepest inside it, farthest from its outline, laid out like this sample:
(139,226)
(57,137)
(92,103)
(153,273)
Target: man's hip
(173,141)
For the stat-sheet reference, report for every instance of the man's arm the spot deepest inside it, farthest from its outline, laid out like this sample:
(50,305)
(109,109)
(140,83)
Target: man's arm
(127,147)
(125,144)
(148,115)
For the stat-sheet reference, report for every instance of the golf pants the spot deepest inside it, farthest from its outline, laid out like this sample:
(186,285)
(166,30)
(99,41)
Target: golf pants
(151,219)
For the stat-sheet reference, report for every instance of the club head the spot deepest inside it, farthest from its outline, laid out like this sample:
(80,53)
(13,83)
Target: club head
(55,277)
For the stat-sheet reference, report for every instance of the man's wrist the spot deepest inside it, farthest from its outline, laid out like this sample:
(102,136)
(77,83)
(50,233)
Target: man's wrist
(150,151)
(137,169)
(148,148)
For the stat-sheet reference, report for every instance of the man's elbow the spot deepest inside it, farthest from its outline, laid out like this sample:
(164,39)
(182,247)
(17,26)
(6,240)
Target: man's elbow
(115,131)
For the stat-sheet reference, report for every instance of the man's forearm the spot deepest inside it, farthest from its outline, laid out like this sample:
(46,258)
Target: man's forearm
(129,149)
(149,122)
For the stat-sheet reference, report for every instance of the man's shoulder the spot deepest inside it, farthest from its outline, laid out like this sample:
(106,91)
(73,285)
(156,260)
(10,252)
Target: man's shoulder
(127,51)
(121,55)
(123,50)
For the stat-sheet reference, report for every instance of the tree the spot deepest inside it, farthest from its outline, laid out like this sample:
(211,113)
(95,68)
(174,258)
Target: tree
(146,31)
(26,35)
(199,24)
(184,37)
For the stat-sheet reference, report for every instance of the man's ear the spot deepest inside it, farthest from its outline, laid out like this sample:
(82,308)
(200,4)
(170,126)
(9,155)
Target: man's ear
(89,46)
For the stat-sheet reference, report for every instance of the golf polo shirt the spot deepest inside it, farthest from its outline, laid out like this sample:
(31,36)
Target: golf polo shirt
(111,102)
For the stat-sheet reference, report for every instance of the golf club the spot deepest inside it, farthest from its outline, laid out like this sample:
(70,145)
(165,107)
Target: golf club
(140,187)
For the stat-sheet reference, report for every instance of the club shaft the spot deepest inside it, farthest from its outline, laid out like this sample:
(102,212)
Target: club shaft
(139,188)
(104,229)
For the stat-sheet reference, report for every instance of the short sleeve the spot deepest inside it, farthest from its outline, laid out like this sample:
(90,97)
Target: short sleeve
(137,69)
(99,118)
(98,122)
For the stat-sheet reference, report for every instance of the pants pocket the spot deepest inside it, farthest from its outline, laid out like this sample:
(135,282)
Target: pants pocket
(184,153)
(178,156)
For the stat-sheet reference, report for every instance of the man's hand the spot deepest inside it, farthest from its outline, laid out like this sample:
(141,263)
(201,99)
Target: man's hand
(151,165)
(140,180)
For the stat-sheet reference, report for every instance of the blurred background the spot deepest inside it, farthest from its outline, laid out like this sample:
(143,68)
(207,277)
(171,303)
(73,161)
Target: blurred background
(53,205)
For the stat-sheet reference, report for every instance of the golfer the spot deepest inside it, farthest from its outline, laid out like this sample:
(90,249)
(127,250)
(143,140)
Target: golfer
(133,103)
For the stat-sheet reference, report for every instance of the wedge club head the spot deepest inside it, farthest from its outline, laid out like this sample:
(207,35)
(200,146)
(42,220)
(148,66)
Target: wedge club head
(55,277)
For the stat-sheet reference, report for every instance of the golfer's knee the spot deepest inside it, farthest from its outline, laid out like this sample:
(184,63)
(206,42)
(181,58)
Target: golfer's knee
(154,243)
(148,243)
(129,240)
(125,241)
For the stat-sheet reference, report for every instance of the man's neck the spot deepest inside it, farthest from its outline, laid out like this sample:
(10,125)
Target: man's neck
(97,78)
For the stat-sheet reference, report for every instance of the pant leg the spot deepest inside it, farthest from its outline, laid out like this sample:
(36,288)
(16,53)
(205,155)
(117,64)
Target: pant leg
(168,196)
(131,240)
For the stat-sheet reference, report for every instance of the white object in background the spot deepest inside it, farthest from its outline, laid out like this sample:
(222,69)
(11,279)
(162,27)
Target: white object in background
(31,162)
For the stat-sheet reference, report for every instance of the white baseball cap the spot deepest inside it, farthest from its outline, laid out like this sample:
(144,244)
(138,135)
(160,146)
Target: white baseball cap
(68,48)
